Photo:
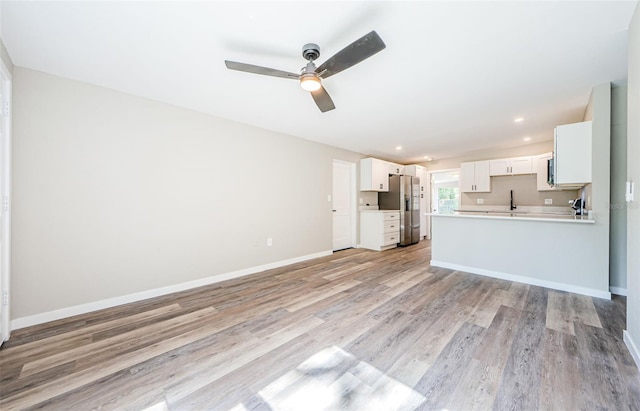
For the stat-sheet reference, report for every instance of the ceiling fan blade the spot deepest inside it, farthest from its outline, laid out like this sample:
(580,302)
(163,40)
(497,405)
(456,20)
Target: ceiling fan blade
(322,99)
(354,53)
(250,68)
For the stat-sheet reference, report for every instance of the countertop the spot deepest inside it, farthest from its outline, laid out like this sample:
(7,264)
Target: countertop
(557,217)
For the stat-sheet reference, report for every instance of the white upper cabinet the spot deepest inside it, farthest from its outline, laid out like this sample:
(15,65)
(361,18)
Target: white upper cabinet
(541,166)
(374,175)
(511,166)
(499,167)
(521,165)
(395,168)
(475,177)
(572,160)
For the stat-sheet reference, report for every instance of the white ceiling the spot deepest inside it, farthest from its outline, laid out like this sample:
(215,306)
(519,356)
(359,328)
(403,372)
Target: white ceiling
(452,79)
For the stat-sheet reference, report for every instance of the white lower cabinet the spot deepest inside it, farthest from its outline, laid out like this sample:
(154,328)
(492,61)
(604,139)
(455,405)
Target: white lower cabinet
(379,229)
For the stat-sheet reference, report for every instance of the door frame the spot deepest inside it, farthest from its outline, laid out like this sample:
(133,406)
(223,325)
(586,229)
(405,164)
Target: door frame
(353,203)
(431,185)
(5,201)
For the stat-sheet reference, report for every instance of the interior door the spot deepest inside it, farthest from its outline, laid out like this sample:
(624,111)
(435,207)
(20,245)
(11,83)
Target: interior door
(343,205)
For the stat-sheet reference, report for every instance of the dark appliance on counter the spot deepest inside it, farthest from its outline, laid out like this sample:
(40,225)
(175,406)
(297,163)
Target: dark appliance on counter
(577,205)
(404,195)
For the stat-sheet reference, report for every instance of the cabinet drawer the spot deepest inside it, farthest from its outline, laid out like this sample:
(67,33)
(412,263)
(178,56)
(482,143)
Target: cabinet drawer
(391,238)
(391,217)
(391,226)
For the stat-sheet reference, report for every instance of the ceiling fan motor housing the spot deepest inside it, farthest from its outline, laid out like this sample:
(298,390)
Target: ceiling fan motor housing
(310,51)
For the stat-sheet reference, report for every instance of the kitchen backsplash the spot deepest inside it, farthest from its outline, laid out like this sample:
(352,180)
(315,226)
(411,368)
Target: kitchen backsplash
(525,193)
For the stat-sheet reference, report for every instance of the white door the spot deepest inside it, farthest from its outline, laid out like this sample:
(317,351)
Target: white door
(5,190)
(343,206)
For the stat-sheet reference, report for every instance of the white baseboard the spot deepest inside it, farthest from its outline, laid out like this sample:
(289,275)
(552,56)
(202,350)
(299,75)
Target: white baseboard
(618,291)
(526,280)
(156,292)
(633,348)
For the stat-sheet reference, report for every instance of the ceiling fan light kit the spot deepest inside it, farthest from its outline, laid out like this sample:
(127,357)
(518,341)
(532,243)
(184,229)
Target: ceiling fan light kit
(311,77)
(310,82)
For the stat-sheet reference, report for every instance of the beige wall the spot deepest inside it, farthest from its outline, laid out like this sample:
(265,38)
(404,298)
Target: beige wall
(4,55)
(598,111)
(115,194)
(6,59)
(633,174)
(525,193)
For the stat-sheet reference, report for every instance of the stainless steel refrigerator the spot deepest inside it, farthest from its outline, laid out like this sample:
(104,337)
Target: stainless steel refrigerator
(404,195)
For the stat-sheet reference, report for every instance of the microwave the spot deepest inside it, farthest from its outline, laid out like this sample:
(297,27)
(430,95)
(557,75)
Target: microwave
(551,171)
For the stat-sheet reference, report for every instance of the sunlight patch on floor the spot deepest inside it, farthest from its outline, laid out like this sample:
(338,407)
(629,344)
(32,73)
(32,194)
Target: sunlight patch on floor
(333,379)
(161,406)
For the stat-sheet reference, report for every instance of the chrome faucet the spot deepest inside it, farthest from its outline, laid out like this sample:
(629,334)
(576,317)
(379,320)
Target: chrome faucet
(512,206)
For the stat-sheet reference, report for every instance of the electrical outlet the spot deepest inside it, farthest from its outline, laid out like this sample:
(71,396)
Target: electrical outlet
(5,297)
(269,242)
(329,197)
(480,201)
(548,201)
(361,200)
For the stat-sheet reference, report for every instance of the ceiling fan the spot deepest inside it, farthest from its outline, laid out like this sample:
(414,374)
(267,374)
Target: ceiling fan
(310,76)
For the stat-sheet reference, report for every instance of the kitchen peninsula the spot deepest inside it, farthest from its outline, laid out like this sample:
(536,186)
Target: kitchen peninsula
(547,250)
(559,252)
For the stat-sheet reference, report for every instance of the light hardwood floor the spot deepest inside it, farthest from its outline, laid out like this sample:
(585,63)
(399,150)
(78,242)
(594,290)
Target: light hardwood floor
(356,330)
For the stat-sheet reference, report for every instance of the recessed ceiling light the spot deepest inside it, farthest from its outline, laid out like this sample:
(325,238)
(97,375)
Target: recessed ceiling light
(398,147)
(527,139)
(518,119)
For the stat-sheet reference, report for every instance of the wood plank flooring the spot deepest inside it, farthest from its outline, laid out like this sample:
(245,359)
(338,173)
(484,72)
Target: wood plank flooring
(358,330)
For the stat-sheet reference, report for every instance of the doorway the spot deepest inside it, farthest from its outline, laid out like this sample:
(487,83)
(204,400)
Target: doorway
(5,202)
(445,191)
(344,205)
